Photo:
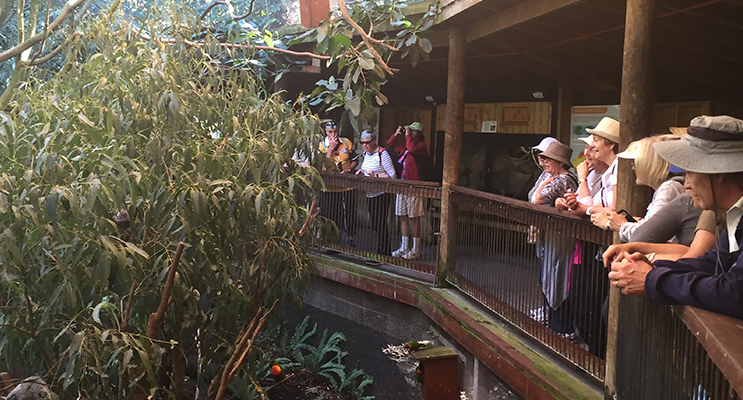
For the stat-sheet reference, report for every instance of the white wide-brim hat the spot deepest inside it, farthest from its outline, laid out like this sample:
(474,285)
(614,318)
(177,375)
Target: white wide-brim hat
(712,145)
(607,128)
(544,144)
(587,140)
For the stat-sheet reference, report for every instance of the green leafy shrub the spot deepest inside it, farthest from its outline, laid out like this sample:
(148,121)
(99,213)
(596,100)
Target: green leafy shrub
(129,150)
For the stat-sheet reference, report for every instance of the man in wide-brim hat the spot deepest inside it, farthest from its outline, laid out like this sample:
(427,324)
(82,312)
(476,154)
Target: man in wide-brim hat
(711,152)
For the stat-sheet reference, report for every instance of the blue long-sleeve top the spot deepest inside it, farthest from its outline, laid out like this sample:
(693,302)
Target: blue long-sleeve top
(702,282)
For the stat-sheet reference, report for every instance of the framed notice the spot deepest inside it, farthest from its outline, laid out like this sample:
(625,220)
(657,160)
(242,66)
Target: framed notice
(489,126)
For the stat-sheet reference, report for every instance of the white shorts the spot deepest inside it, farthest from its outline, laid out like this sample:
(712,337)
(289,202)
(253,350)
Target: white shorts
(409,206)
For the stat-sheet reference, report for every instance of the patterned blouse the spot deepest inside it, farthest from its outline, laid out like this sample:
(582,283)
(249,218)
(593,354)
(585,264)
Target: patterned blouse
(558,187)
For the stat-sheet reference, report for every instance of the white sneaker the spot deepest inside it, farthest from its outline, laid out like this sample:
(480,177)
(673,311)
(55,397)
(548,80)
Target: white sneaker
(400,252)
(412,255)
(538,315)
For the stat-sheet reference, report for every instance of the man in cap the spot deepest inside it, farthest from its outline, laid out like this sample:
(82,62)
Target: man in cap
(711,152)
(338,203)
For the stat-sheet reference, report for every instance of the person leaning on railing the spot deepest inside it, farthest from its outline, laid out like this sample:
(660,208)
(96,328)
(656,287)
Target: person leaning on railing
(604,146)
(377,164)
(711,153)
(555,249)
(589,182)
(339,203)
(653,171)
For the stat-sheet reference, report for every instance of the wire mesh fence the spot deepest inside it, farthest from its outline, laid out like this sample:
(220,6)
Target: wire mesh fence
(535,267)
(538,268)
(372,214)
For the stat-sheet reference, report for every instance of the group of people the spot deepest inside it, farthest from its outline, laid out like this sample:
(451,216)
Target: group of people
(397,160)
(675,252)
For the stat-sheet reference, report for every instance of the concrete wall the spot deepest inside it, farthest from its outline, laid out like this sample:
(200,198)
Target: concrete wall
(372,322)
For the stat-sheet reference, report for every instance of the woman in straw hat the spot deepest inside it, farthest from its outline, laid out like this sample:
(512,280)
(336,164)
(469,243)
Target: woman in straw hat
(553,249)
(605,148)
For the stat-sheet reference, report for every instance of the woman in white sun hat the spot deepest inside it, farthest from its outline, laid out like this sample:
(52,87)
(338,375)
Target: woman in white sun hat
(650,170)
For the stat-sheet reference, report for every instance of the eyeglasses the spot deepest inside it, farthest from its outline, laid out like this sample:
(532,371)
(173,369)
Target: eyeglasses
(366,141)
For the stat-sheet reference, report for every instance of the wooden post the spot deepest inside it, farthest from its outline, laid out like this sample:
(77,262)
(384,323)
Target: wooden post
(636,104)
(564,113)
(453,146)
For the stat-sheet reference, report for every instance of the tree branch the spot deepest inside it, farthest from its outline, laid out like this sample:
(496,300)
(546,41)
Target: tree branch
(368,40)
(230,10)
(57,50)
(156,318)
(237,46)
(125,318)
(70,6)
(244,344)
(32,332)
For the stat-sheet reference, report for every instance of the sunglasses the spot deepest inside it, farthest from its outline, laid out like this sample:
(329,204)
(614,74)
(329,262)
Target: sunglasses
(366,141)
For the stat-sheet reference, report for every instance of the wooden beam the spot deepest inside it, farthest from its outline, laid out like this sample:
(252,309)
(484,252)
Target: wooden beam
(637,105)
(515,15)
(450,8)
(453,155)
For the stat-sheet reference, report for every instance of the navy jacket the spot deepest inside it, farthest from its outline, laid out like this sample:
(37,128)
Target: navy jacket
(696,282)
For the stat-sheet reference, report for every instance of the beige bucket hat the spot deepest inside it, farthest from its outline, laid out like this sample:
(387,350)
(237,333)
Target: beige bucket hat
(711,145)
(607,128)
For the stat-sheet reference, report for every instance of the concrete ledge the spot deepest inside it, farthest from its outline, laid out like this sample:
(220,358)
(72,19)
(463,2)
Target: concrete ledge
(527,372)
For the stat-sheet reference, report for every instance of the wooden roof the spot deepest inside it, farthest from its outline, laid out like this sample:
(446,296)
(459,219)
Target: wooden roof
(517,47)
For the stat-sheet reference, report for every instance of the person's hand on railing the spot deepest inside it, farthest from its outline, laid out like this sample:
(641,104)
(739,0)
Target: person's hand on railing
(616,252)
(601,220)
(615,220)
(561,204)
(630,273)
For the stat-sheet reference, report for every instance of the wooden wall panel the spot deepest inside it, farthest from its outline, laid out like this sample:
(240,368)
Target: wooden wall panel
(677,114)
(522,117)
(391,118)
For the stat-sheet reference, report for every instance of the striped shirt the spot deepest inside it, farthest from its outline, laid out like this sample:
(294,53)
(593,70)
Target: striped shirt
(371,166)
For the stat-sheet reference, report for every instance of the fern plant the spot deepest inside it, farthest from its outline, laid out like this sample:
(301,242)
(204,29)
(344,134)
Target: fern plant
(355,384)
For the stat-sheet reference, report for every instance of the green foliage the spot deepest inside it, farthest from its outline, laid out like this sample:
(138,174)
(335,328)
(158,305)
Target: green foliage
(363,75)
(194,152)
(355,384)
(325,359)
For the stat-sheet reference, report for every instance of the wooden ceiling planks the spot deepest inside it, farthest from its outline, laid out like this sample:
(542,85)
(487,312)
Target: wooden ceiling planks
(581,44)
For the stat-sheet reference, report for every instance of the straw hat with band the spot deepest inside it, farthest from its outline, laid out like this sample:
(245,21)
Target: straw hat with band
(559,152)
(711,145)
(608,128)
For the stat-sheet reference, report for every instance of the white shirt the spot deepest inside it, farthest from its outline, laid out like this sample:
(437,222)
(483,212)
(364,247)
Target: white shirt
(608,181)
(593,180)
(733,218)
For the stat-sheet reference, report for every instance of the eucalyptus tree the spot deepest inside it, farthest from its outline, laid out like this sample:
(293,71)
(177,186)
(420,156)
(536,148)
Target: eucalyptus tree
(148,203)
(150,200)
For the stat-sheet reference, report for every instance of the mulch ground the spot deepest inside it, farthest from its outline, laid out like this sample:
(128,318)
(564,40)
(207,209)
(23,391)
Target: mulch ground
(304,385)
